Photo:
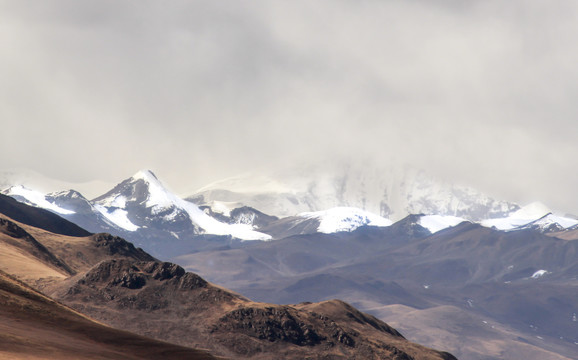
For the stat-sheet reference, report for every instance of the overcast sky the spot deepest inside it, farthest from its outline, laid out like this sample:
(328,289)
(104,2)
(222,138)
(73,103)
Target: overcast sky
(480,92)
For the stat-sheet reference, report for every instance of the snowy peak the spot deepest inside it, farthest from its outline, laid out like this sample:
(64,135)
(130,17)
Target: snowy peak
(552,223)
(144,209)
(143,190)
(435,223)
(146,175)
(390,192)
(532,216)
(35,198)
(67,194)
(136,188)
(144,201)
(72,200)
(158,195)
(344,219)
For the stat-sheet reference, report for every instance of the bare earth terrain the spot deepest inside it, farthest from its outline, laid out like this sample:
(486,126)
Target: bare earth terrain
(110,280)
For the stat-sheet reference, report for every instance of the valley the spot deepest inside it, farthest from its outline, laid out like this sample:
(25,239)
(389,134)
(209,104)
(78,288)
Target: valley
(106,278)
(498,285)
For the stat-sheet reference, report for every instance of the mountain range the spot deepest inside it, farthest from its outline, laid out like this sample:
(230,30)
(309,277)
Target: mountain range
(99,276)
(453,268)
(390,192)
(143,210)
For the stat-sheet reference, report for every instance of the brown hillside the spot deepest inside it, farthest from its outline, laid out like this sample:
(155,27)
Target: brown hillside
(110,280)
(32,326)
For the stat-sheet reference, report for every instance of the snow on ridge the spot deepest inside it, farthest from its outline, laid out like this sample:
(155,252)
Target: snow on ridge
(344,219)
(213,226)
(36,198)
(75,194)
(535,213)
(118,217)
(550,219)
(523,216)
(160,199)
(435,223)
(118,201)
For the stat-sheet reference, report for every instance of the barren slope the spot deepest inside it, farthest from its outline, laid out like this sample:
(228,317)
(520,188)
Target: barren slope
(110,280)
(161,300)
(32,326)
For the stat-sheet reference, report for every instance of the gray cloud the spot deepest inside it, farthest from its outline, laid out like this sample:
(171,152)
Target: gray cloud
(480,92)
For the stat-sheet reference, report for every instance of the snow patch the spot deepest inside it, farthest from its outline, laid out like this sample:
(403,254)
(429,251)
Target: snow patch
(344,219)
(213,226)
(435,223)
(539,274)
(248,219)
(118,202)
(118,217)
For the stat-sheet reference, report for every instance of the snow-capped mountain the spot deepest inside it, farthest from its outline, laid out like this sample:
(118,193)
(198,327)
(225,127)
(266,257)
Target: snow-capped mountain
(44,184)
(35,198)
(344,219)
(551,223)
(142,210)
(341,219)
(392,193)
(142,201)
(533,216)
(435,223)
(69,204)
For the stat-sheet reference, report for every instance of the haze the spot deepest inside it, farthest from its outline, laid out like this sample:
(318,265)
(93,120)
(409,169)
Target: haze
(478,92)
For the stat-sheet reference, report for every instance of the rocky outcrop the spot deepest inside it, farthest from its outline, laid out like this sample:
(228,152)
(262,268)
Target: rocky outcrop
(162,300)
(118,246)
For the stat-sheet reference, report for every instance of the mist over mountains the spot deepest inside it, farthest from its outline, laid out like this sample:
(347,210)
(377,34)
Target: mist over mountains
(493,279)
(247,207)
(480,91)
(86,276)
(284,139)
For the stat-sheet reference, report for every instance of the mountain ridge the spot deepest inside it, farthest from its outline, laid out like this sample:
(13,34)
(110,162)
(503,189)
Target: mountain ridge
(122,286)
(388,192)
(143,210)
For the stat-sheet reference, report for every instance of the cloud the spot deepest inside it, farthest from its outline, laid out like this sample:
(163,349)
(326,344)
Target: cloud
(481,92)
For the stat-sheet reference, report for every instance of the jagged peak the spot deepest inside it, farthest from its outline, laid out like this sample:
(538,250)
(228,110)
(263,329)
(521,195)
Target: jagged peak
(68,193)
(146,175)
(151,181)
